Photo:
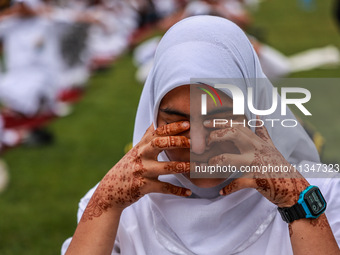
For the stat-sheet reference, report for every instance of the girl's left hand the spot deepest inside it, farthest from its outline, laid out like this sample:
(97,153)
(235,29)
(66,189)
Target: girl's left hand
(257,150)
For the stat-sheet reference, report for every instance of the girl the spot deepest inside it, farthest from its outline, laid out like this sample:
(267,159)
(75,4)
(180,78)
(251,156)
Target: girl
(148,203)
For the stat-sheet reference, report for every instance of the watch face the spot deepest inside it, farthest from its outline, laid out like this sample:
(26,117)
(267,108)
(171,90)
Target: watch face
(315,201)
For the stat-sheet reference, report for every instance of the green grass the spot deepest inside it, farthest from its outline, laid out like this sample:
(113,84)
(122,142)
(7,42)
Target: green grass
(38,210)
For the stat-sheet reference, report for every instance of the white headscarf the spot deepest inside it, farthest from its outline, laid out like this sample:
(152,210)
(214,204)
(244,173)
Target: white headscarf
(212,47)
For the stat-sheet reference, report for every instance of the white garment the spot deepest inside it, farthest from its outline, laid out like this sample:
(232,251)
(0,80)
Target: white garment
(140,223)
(197,8)
(275,64)
(24,42)
(165,8)
(29,53)
(66,31)
(31,3)
(243,222)
(108,41)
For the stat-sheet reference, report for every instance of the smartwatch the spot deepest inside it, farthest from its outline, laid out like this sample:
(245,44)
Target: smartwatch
(311,204)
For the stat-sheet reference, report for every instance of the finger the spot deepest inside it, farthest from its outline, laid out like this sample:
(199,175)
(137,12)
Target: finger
(167,188)
(150,128)
(216,123)
(242,141)
(227,159)
(225,124)
(170,142)
(162,168)
(261,131)
(237,185)
(148,133)
(173,128)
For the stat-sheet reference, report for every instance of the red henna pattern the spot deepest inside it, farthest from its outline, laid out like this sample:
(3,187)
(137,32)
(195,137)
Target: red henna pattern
(171,141)
(222,132)
(230,188)
(320,222)
(280,188)
(179,167)
(95,208)
(117,187)
(173,128)
(174,190)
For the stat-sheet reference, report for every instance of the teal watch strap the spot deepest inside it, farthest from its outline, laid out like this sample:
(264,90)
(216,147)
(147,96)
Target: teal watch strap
(289,214)
(311,204)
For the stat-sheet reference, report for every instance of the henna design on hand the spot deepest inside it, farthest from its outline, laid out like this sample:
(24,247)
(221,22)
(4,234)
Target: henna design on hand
(174,190)
(172,128)
(170,141)
(222,132)
(320,222)
(263,184)
(129,179)
(120,187)
(282,189)
(95,208)
(230,188)
(178,167)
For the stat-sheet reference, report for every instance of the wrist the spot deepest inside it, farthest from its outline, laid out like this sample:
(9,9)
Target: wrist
(293,195)
(311,204)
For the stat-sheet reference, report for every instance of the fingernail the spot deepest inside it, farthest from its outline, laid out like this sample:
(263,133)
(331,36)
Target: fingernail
(185,124)
(207,122)
(188,192)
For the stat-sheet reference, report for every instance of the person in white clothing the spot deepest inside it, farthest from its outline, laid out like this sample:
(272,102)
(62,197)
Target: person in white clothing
(149,203)
(28,84)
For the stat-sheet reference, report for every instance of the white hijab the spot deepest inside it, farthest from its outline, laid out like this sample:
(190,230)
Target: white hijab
(212,47)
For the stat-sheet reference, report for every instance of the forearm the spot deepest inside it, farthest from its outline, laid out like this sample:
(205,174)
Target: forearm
(96,231)
(312,236)
(130,179)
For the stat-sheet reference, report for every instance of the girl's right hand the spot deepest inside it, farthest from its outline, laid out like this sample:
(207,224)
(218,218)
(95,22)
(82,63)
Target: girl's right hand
(136,174)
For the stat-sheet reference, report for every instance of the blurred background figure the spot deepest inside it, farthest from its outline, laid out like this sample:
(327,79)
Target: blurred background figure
(51,49)
(274,63)
(28,86)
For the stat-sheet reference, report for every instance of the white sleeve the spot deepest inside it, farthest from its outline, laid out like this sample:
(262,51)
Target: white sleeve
(63,15)
(331,190)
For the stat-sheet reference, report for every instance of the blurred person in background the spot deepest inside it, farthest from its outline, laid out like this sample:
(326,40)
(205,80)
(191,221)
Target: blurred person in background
(274,63)
(110,39)
(28,86)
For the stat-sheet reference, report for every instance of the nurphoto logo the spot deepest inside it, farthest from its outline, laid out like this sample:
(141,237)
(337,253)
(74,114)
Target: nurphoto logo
(239,104)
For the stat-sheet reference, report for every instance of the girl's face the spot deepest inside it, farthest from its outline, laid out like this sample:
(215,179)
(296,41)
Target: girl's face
(175,106)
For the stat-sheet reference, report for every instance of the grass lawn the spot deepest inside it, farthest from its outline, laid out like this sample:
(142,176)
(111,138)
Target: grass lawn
(38,210)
